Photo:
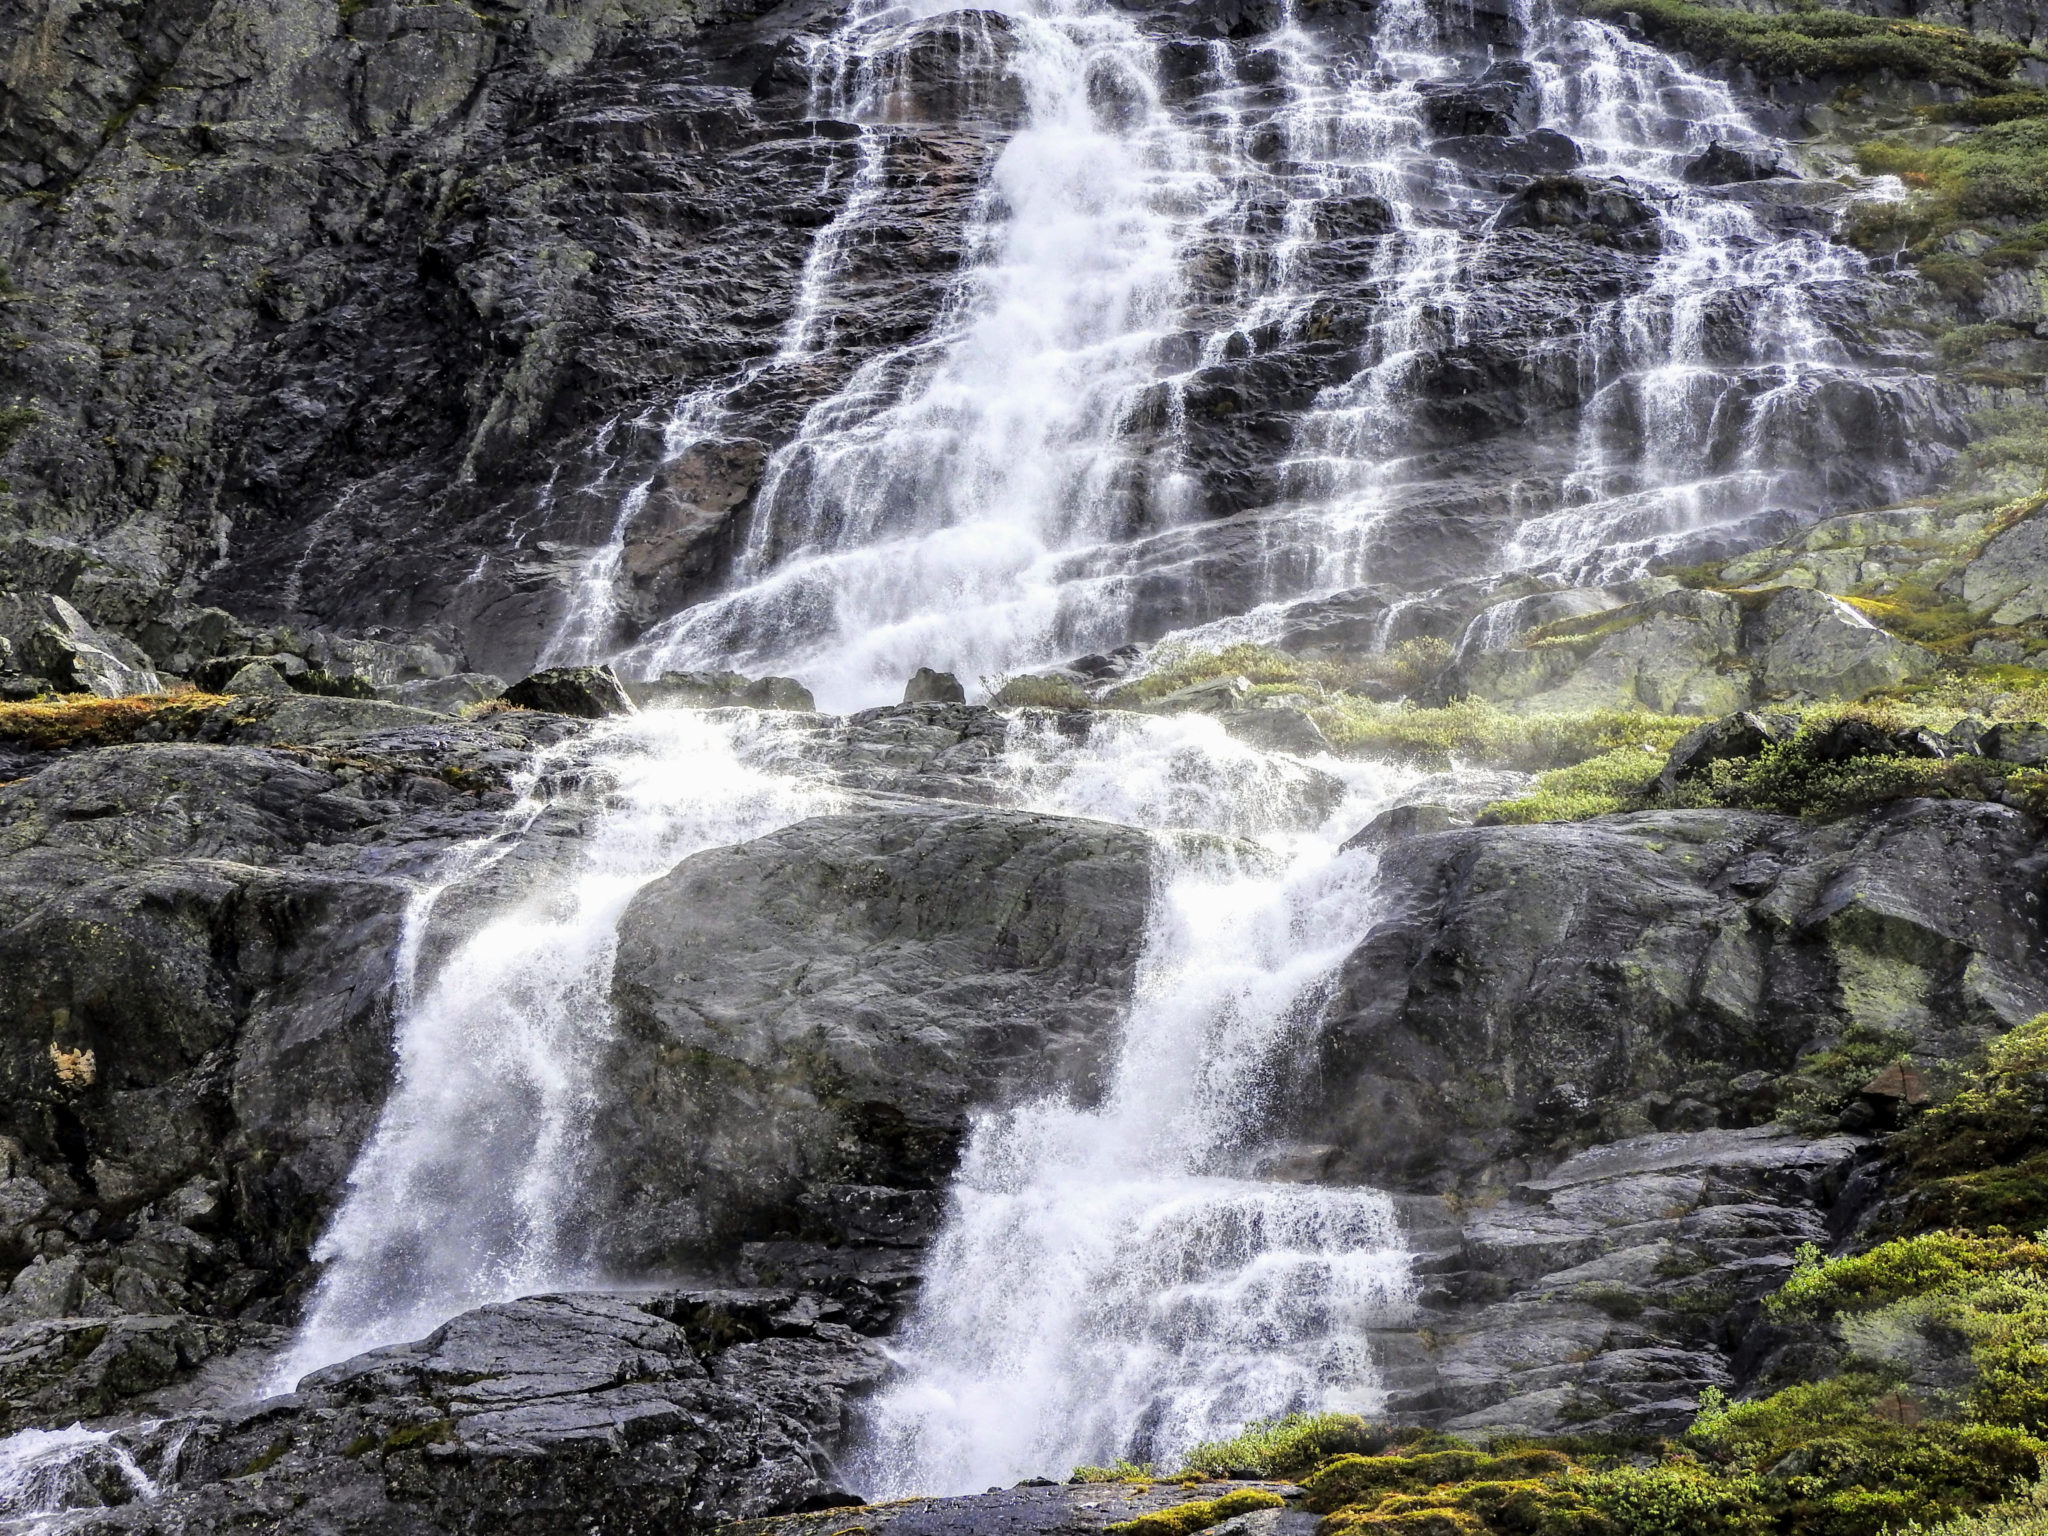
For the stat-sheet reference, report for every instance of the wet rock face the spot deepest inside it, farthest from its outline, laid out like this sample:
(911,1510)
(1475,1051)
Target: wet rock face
(671,1411)
(821,1007)
(1486,1028)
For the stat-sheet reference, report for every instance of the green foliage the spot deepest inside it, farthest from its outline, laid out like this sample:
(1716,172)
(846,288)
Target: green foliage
(1038,693)
(1474,731)
(1982,111)
(1198,1515)
(1918,612)
(1286,1447)
(1620,780)
(1995,180)
(1909,1266)
(1816,41)
(1980,1160)
(1116,1472)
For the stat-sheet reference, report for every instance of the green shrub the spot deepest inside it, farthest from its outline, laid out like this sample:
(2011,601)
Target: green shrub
(1982,111)
(1287,1447)
(1614,781)
(1980,1160)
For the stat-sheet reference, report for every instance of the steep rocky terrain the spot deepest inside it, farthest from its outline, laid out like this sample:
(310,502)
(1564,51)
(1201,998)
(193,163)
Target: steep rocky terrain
(585,1105)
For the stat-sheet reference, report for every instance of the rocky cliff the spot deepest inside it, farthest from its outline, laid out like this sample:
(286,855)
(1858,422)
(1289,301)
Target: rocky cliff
(632,1100)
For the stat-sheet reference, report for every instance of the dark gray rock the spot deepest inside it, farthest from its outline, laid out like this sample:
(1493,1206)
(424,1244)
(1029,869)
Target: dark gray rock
(824,1005)
(1739,735)
(589,693)
(2016,742)
(1533,991)
(675,1410)
(1277,730)
(1722,164)
(1603,212)
(929,687)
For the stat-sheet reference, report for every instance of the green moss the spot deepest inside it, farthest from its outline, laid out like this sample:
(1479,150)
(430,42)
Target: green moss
(1982,111)
(432,1432)
(268,1457)
(1818,41)
(1994,181)
(1197,1515)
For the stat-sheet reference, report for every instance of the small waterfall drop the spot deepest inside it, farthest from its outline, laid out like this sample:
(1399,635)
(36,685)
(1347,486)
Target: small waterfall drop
(46,1473)
(463,1193)
(1114,1280)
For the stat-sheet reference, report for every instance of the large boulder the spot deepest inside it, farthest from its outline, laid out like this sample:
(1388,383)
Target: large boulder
(2010,577)
(554,1415)
(1600,212)
(1535,990)
(1676,653)
(825,1005)
(1808,645)
(590,693)
(45,637)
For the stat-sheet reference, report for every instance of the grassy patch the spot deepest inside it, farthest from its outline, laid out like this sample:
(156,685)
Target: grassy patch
(1795,777)
(1287,1447)
(1474,731)
(1816,41)
(1117,1472)
(50,725)
(1620,780)
(1037,693)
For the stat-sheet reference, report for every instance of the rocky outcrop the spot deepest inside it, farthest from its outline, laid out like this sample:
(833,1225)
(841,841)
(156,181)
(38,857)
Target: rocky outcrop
(822,1007)
(1680,652)
(1536,990)
(553,1414)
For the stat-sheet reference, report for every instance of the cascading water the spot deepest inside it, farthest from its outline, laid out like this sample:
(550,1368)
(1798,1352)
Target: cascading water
(1016,486)
(46,1472)
(1157,242)
(1110,1281)
(461,1195)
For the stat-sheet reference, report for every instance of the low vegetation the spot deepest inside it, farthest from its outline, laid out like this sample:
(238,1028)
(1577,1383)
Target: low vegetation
(85,720)
(1993,182)
(1198,1514)
(1812,40)
(1806,774)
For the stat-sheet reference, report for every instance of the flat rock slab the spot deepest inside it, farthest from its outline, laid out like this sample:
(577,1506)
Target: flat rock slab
(1032,1510)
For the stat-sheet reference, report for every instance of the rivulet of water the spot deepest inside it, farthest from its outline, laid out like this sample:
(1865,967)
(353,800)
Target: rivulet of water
(460,1196)
(1115,1281)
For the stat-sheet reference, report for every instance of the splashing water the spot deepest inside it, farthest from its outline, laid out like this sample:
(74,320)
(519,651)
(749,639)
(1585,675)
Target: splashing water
(462,1194)
(46,1472)
(1109,1282)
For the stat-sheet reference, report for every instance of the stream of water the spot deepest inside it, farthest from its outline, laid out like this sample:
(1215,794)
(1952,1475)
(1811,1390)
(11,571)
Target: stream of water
(1119,1279)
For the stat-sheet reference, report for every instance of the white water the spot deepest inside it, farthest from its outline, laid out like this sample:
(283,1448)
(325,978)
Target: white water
(463,1193)
(1114,1278)
(984,499)
(46,1472)
(1110,1280)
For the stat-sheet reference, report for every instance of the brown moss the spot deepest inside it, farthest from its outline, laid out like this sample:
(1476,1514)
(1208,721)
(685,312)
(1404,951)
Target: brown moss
(85,720)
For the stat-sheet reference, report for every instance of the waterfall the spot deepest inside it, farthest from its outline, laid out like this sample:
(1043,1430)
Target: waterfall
(463,1194)
(45,1473)
(1112,1281)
